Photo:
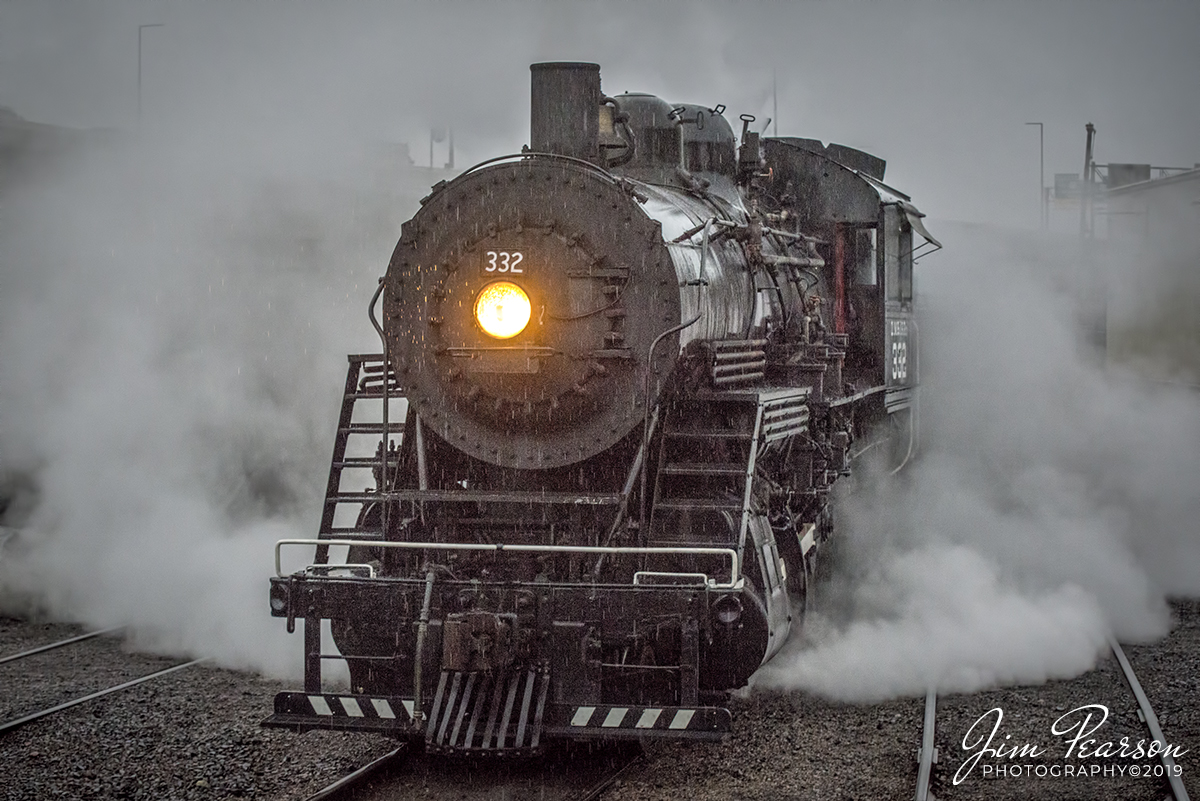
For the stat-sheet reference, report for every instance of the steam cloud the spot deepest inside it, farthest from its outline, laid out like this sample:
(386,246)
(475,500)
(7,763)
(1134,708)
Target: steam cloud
(1055,501)
(172,333)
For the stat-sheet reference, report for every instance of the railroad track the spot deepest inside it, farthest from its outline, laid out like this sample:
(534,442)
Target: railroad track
(561,776)
(1146,712)
(55,645)
(17,722)
(351,782)
(928,754)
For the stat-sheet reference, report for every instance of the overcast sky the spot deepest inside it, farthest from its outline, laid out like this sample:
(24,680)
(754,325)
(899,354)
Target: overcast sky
(940,89)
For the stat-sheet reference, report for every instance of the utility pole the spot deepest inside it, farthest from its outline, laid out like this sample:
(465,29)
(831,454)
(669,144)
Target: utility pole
(1093,284)
(1086,229)
(774,102)
(1044,207)
(139,82)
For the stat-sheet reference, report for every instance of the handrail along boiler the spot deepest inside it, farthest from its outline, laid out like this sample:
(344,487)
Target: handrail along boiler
(635,359)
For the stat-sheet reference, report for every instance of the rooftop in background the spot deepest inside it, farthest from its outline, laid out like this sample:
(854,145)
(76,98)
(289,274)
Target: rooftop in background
(1120,183)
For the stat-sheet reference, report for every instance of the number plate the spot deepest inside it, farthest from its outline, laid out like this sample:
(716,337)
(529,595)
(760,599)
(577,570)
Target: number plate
(503,262)
(899,336)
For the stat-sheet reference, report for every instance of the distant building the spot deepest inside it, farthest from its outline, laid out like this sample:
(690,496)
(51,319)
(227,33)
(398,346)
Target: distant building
(1160,214)
(1154,244)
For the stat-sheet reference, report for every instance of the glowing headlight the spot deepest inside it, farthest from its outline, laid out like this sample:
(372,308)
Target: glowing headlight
(502,309)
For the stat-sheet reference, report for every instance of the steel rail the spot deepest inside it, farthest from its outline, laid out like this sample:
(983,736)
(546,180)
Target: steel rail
(13,724)
(352,779)
(1151,720)
(59,644)
(596,790)
(348,786)
(928,753)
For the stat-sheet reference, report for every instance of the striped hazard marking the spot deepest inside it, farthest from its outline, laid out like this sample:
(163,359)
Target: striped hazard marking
(357,707)
(677,719)
(343,712)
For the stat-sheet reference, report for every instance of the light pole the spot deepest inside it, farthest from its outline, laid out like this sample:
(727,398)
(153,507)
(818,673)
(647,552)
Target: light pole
(774,102)
(1042,208)
(140,29)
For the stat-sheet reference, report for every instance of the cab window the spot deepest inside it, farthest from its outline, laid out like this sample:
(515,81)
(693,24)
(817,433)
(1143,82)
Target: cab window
(862,257)
(891,251)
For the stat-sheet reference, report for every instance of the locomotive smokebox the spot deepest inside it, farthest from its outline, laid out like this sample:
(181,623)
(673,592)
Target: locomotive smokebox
(565,109)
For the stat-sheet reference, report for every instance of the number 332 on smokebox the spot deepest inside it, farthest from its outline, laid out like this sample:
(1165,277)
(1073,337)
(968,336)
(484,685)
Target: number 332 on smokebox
(503,261)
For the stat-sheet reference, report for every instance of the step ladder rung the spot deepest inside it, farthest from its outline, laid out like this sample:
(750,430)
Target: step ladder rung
(363,461)
(436,496)
(394,393)
(744,436)
(350,534)
(700,504)
(704,469)
(372,428)
(350,497)
(719,540)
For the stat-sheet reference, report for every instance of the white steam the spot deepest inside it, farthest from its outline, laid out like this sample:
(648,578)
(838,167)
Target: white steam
(173,331)
(1055,501)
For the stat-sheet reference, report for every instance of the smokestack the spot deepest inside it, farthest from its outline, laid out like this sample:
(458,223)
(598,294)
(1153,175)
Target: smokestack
(565,109)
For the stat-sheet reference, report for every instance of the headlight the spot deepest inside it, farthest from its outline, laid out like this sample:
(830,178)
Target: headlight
(502,309)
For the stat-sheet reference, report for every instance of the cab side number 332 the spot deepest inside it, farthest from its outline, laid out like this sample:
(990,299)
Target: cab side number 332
(899,332)
(503,261)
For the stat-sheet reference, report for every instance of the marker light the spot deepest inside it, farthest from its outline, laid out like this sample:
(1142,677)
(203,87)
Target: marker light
(727,609)
(502,309)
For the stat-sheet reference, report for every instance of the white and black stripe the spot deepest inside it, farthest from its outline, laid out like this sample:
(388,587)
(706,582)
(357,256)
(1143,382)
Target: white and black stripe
(339,711)
(647,718)
(351,706)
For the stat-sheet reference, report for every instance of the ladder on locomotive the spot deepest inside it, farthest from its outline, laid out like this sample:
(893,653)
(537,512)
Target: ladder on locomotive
(364,381)
(708,455)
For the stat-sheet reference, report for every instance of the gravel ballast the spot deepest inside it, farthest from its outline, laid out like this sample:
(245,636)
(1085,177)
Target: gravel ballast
(195,734)
(191,735)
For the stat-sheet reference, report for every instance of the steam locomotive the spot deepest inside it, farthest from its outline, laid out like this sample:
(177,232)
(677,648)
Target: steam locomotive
(621,372)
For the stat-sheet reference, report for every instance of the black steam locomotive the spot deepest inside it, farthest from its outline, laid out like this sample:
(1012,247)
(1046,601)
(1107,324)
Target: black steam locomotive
(621,371)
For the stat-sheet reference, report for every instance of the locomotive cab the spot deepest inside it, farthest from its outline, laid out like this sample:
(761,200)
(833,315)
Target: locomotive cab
(867,230)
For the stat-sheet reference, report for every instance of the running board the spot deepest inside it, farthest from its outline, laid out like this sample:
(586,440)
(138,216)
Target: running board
(456,727)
